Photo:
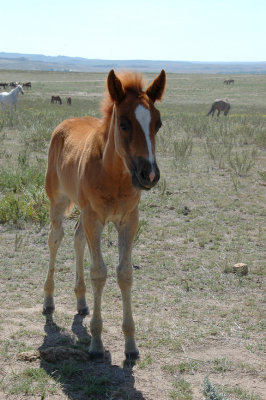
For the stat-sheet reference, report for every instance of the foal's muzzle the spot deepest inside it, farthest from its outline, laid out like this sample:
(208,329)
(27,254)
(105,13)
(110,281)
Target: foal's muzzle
(143,174)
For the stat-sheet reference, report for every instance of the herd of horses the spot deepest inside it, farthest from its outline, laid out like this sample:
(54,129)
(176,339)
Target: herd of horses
(11,98)
(218,105)
(26,85)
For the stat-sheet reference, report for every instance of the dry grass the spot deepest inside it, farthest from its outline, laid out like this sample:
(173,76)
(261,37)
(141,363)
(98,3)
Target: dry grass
(194,317)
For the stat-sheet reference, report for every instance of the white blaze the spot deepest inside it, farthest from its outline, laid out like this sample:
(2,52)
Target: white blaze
(143,116)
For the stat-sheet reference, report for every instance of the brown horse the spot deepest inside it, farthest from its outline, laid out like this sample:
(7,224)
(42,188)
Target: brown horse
(69,101)
(102,165)
(220,105)
(27,85)
(56,99)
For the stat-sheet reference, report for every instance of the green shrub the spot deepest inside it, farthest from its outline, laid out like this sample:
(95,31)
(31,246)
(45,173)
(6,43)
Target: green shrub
(211,392)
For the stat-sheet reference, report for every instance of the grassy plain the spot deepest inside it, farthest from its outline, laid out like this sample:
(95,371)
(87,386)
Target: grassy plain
(194,317)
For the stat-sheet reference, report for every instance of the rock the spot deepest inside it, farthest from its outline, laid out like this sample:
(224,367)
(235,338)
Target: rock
(240,269)
(54,354)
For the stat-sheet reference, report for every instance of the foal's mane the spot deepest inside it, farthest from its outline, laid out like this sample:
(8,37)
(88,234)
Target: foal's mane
(131,81)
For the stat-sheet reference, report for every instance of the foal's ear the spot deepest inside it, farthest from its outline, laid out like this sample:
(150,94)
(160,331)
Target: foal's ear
(156,88)
(115,88)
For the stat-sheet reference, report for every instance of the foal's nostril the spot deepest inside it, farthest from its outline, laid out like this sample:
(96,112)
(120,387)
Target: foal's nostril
(144,175)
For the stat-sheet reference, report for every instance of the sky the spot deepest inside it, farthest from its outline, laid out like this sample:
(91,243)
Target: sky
(177,30)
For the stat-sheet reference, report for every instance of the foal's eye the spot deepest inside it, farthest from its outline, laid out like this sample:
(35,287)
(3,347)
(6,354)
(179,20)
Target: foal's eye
(124,124)
(158,125)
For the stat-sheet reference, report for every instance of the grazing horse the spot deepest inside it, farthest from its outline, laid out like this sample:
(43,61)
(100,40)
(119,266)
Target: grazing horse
(102,165)
(229,81)
(220,105)
(27,85)
(11,98)
(56,99)
(69,101)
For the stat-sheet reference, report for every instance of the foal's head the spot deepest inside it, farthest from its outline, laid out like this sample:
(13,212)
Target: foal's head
(20,89)
(136,123)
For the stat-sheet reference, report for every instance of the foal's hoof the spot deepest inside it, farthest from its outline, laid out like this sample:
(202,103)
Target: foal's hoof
(97,356)
(84,311)
(134,355)
(47,310)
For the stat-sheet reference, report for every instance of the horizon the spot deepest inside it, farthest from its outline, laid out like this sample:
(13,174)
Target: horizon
(205,31)
(136,59)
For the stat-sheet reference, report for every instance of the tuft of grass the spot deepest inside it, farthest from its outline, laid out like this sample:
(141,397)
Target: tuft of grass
(262,175)
(260,139)
(182,390)
(183,148)
(31,382)
(221,364)
(242,162)
(66,370)
(30,205)
(144,362)
(96,386)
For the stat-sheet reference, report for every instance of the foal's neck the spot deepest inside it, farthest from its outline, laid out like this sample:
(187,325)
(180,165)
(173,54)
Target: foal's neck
(112,161)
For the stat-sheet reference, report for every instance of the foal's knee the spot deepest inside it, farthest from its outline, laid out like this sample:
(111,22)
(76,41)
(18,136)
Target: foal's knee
(98,276)
(124,277)
(56,234)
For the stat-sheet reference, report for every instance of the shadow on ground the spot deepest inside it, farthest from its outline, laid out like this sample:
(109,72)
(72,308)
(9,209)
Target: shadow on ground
(64,357)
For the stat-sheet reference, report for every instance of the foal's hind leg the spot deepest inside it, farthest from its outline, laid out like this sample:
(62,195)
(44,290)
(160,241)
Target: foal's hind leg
(80,287)
(55,237)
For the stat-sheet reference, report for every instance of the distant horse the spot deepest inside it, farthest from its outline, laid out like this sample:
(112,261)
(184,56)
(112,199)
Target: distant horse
(229,81)
(56,99)
(220,105)
(69,101)
(27,85)
(11,98)
(102,165)
(3,84)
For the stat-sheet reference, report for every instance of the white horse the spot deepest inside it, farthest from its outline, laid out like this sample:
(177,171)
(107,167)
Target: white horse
(11,98)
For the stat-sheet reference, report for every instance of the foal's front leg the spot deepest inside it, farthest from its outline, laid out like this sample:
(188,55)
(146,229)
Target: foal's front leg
(93,229)
(126,234)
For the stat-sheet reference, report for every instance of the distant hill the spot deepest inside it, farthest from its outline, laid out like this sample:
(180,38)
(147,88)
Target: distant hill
(63,63)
